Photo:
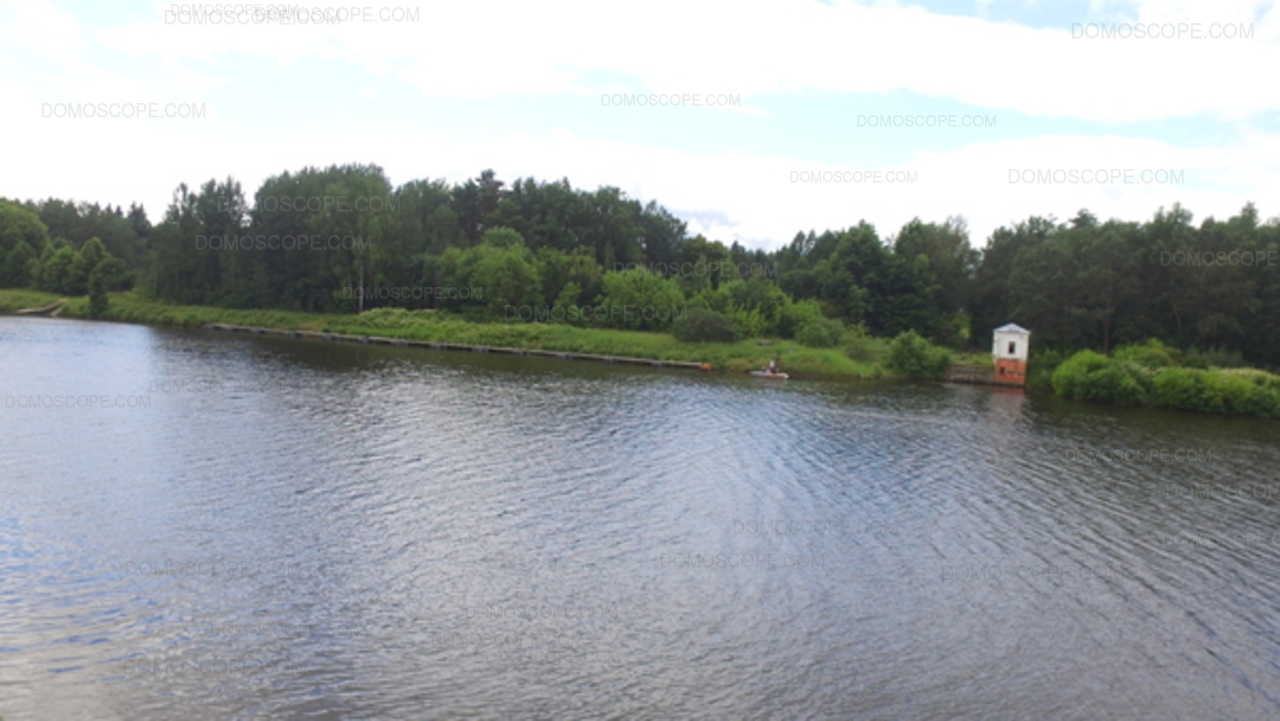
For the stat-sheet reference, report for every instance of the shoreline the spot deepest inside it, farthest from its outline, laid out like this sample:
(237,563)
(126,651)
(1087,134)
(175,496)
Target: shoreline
(439,331)
(432,329)
(443,345)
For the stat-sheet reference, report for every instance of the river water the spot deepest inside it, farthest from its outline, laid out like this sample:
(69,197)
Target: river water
(202,526)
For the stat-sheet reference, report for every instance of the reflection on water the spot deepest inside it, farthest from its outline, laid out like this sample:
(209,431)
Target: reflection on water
(293,529)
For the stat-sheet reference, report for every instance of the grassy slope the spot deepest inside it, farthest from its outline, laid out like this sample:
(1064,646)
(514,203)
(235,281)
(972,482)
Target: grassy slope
(430,325)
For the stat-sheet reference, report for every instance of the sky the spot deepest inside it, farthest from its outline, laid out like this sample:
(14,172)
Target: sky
(750,120)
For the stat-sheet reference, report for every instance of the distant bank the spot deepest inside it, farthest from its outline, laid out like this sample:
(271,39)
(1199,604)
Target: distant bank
(435,327)
(1148,374)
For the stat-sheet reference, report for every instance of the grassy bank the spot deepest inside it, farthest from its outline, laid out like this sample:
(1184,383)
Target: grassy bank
(430,325)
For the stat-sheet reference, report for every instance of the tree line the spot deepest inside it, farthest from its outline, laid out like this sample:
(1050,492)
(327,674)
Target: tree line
(344,239)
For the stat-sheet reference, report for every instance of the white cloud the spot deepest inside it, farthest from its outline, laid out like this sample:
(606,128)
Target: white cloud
(483,49)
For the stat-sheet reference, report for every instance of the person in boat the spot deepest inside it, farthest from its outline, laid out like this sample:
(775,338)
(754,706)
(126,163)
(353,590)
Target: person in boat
(772,367)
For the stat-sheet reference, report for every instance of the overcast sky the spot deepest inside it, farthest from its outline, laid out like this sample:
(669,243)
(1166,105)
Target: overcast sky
(751,120)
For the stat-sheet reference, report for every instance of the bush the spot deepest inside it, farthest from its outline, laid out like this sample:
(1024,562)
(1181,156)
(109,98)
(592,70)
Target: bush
(1188,389)
(1041,367)
(858,344)
(1152,354)
(1119,383)
(913,356)
(795,314)
(1237,394)
(1150,374)
(1092,376)
(1256,376)
(700,325)
(637,299)
(15,268)
(748,323)
(97,286)
(820,332)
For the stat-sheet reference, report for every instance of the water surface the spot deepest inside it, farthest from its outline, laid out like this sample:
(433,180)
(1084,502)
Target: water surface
(202,526)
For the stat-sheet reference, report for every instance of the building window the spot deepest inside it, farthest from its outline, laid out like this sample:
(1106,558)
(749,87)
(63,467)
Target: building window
(1013,345)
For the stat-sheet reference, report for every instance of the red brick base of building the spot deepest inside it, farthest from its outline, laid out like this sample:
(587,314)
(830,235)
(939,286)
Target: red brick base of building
(1013,372)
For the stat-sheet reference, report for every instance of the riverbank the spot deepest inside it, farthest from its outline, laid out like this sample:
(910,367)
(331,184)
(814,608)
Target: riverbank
(438,327)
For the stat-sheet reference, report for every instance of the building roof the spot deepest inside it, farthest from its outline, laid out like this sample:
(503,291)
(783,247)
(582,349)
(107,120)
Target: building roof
(1012,328)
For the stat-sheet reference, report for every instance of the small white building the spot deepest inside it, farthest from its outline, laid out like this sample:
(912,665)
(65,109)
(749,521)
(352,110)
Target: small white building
(1009,349)
(1011,342)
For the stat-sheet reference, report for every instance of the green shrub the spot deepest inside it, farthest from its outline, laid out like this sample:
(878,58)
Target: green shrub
(1236,392)
(1152,354)
(1188,389)
(1256,376)
(1120,383)
(1041,366)
(1092,376)
(795,314)
(858,344)
(913,356)
(97,285)
(700,325)
(1069,380)
(1244,391)
(748,323)
(637,299)
(820,332)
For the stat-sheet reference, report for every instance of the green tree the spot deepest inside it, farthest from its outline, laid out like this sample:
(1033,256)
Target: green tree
(19,224)
(913,356)
(56,275)
(90,254)
(15,271)
(98,280)
(113,272)
(507,276)
(638,299)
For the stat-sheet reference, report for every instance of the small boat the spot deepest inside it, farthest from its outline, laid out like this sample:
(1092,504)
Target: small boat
(767,374)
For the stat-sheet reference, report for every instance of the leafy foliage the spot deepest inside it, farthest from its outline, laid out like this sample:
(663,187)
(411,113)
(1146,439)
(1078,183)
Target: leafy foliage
(1153,380)
(1152,354)
(913,356)
(98,300)
(700,325)
(820,332)
(637,299)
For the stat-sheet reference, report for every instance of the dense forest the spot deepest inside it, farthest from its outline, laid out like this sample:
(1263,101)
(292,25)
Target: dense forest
(344,239)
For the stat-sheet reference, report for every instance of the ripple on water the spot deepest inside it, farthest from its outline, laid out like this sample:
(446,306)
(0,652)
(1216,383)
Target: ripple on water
(293,529)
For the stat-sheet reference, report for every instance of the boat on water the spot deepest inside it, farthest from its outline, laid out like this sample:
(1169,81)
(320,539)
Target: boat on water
(767,374)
